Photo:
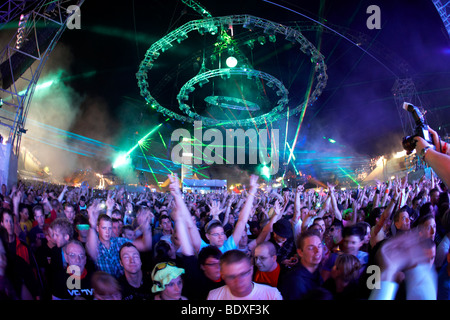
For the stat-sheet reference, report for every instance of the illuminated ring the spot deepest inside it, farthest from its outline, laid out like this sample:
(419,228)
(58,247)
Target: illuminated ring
(232,103)
(212,25)
(203,78)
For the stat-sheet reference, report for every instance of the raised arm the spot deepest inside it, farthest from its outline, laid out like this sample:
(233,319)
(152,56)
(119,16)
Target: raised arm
(265,232)
(144,217)
(405,253)
(246,210)
(297,204)
(189,232)
(386,213)
(334,205)
(61,195)
(92,238)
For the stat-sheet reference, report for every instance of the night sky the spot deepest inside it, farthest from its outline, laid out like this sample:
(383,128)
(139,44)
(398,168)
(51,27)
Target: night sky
(98,96)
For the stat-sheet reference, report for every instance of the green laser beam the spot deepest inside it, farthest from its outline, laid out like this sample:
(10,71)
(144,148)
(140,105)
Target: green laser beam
(151,170)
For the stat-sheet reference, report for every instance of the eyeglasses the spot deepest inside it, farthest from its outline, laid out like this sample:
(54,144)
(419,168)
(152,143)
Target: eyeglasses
(260,258)
(237,276)
(73,255)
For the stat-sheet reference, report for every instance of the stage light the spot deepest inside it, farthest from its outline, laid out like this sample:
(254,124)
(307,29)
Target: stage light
(262,40)
(265,171)
(231,62)
(121,160)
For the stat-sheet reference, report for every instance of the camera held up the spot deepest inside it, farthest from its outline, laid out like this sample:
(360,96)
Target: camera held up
(421,130)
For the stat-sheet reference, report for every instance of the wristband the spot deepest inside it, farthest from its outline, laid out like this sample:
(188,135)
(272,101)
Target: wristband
(444,148)
(386,191)
(424,151)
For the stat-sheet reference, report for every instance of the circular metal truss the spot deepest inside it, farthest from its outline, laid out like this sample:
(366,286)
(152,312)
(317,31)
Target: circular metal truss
(232,103)
(213,26)
(204,77)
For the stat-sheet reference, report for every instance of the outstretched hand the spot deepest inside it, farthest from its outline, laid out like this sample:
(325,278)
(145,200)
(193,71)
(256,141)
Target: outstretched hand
(401,253)
(215,209)
(254,182)
(93,212)
(174,185)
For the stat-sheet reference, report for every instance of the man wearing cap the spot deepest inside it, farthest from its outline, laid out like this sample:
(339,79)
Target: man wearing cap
(283,239)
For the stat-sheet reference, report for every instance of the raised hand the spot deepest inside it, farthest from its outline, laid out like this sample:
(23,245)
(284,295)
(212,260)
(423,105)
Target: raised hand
(174,185)
(253,184)
(400,253)
(214,209)
(93,212)
(300,188)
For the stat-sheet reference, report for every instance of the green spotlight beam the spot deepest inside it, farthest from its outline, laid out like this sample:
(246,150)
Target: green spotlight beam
(121,159)
(163,164)
(348,175)
(286,135)
(151,170)
(144,138)
(162,140)
(210,146)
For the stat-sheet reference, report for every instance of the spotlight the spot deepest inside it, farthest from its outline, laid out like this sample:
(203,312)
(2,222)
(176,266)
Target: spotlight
(231,62)
(261,40)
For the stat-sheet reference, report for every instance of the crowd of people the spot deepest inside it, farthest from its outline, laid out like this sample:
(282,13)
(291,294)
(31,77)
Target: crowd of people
(388,240)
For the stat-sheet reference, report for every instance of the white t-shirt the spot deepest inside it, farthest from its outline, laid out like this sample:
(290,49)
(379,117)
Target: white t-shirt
(259,292)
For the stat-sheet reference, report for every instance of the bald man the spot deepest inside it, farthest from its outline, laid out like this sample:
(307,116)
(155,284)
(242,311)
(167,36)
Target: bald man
(268,269)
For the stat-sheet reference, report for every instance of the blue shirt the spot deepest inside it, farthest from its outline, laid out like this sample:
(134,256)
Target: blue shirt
(229,244)
(108,260)
(298,282)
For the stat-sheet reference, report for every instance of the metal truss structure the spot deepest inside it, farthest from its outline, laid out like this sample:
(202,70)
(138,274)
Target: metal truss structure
(443,10)
(22,60)
(214,26)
